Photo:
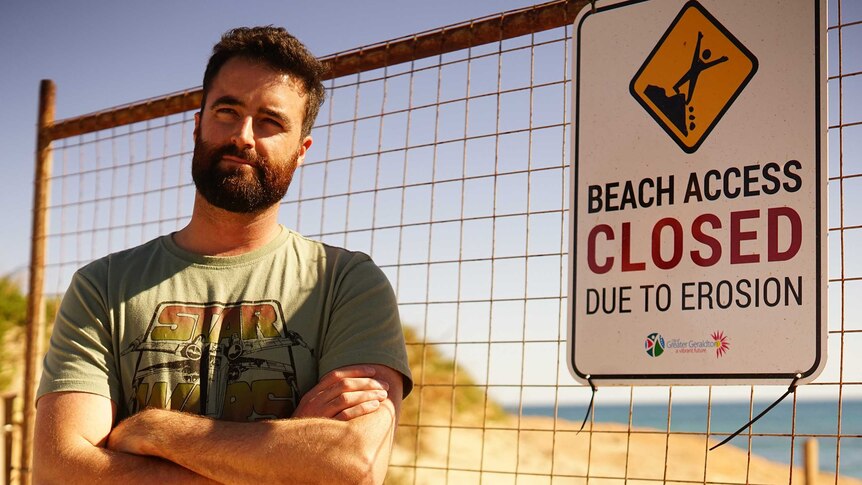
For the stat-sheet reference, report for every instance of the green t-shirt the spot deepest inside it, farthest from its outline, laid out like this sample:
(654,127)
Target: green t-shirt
(237,338)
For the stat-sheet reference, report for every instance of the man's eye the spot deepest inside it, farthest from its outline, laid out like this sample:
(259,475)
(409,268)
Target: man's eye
(226,111)
(272,122)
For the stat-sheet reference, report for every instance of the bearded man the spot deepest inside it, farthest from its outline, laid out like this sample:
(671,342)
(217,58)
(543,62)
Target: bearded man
(233,350)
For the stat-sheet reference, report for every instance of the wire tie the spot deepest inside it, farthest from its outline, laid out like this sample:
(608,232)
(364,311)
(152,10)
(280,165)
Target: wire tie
(593,5)
(789,391)
(592,400)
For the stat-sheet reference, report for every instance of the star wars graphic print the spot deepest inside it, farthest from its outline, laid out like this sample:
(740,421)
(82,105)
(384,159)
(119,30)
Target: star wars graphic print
(232,361)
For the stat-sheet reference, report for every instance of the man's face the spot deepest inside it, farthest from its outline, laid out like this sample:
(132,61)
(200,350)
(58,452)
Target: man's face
(247,138)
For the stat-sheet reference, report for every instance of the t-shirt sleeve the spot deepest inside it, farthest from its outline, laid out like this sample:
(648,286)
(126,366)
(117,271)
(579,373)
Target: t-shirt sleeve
(80,356)
(364,325)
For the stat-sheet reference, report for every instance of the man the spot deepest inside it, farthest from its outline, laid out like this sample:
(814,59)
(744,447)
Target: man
(234,350)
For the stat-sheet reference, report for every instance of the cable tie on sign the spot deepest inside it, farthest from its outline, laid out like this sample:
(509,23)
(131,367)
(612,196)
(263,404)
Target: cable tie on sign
(593,5)
(790,390)
(590,407)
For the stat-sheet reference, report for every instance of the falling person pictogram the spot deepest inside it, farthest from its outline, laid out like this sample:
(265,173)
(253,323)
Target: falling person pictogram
(697,67)
(674,107)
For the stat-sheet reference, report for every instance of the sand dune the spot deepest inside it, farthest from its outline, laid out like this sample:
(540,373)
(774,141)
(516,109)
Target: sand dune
(609,455)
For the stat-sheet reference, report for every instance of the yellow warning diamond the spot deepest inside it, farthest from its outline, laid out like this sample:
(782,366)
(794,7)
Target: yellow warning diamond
(692,76)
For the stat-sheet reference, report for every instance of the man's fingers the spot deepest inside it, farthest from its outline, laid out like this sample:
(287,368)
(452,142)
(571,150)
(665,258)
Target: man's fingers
(361,409)
(322,407)
(350,400)
(346,392)
(325,391)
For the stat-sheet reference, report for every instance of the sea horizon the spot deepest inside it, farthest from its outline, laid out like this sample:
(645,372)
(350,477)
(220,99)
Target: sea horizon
(771,440)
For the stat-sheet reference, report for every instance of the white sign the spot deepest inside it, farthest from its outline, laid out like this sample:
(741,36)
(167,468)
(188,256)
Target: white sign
(698,192)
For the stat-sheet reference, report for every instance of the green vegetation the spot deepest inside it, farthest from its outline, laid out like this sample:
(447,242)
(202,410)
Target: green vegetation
(13,322)
(13,305)
(444,395)
(13,317)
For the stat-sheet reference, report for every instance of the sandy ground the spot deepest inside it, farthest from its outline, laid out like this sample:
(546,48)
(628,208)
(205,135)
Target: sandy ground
(534,452)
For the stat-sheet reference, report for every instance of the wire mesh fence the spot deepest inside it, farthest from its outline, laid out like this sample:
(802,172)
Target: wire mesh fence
(451,171)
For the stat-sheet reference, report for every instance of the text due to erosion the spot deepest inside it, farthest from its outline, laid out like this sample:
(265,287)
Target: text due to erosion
(670,242)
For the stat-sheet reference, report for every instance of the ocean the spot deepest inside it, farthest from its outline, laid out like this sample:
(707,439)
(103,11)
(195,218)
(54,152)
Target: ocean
(812,418)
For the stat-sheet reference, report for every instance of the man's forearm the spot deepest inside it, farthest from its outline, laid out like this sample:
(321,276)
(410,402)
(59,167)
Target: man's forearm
(277,451)
(86,464)
(69,446)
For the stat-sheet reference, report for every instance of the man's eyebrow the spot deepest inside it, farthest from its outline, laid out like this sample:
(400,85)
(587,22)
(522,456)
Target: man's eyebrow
(274,113)
(228,100)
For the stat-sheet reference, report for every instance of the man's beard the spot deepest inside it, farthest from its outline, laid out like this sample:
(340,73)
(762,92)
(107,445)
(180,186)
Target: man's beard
(234,189)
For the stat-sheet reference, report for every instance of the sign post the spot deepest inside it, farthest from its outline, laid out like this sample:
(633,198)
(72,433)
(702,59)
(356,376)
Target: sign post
(698,192)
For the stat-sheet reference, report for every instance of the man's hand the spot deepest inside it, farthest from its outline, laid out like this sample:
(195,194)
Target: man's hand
(131,435)
(343,394)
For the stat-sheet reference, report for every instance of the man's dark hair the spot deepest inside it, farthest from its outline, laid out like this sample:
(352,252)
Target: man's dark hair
(276,48)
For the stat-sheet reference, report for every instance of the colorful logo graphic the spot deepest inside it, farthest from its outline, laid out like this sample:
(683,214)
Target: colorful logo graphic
(692,76)
(654,345)
(232,361)
(722,345)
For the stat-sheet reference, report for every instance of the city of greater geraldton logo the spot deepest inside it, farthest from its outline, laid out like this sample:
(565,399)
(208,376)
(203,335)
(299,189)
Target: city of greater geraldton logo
(692,76)
(654,345)
(721,343)
(717,342)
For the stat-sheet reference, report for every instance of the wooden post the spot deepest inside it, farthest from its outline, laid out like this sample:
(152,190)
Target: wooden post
(811,461)
(35,308)
(7,415)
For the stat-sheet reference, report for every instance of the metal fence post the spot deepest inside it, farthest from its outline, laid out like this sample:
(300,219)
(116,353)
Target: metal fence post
(35,310)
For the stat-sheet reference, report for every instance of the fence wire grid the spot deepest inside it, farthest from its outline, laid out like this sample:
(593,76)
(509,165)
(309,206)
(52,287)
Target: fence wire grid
(452,172)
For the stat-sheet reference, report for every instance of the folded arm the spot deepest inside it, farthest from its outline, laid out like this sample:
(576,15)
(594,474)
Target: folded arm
(352,448)
(71,431)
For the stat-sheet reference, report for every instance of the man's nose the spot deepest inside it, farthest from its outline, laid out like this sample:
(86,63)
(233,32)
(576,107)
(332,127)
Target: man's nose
(244,136)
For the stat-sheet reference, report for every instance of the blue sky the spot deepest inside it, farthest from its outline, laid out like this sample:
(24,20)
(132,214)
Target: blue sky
(102,54)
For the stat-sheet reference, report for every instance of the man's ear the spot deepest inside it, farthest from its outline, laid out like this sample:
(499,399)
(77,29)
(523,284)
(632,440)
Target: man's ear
(303,148)
(197,125)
